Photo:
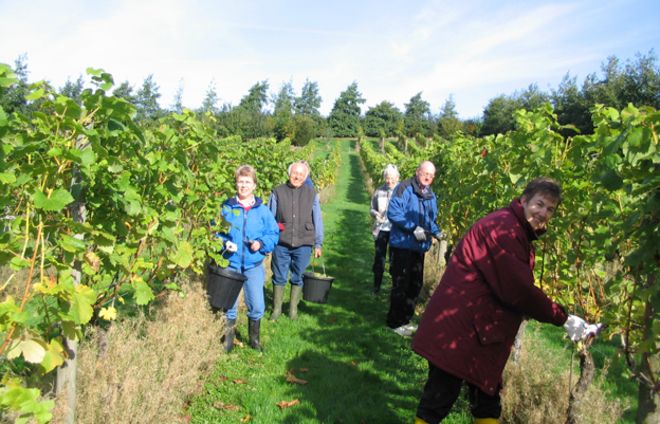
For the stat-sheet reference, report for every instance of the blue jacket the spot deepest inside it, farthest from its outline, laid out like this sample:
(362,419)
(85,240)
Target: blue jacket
(257,224)
(410,207)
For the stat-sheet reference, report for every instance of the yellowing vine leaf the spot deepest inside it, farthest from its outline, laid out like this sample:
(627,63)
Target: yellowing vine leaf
(109,313)
(54,356)
(184,255)
(291,378)
(31,350)
(287,403)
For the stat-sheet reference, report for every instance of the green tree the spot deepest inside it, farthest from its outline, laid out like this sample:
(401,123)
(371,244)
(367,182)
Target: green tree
(309,101)
(124,91)
(177,106)
(283,112)
(344,119)
(12,98)
(417,117)
(249,119)
(571,106)
(73,90)
(382,120)
(210,102)
(448,122)
(499,115)
(146,100)
(303,130)
(256,98)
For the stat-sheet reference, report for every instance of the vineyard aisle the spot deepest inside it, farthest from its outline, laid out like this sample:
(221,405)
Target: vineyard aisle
(337,362)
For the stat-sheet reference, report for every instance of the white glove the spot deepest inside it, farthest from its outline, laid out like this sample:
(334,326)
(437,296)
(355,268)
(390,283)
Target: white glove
(575,327)
(231,246)
(592,330)
(578,329)
(419,233)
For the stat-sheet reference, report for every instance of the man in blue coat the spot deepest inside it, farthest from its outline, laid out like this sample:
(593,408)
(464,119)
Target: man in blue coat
(412,212)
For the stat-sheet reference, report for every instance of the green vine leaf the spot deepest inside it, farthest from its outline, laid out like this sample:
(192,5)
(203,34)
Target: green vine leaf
(57,200)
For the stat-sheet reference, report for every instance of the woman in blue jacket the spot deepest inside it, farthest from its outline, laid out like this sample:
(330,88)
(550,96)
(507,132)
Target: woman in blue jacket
(253,233)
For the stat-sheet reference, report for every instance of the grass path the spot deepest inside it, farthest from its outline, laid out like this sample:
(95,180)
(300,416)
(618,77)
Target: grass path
(357,371)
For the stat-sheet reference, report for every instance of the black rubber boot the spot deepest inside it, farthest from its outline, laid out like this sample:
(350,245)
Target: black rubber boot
(278,296)
(378,281)
(253,327)
(230,332)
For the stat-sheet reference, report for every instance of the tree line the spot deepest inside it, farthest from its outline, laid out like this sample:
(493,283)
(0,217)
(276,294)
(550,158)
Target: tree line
(284,114)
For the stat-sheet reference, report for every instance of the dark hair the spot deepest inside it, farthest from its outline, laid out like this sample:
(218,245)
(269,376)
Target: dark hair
(543,185)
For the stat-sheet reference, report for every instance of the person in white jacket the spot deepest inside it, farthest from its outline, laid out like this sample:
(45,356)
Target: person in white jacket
(381,228)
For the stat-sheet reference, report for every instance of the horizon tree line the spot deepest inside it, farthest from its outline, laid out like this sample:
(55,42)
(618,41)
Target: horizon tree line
(283,114)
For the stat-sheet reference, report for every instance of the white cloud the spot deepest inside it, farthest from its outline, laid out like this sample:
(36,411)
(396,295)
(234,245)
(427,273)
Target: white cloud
(473,49)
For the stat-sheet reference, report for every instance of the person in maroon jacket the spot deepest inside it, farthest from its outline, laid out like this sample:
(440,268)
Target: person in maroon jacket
(471,321)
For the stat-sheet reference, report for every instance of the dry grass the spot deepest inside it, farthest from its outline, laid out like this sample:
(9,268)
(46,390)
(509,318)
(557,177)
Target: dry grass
(145,371)
(536,391)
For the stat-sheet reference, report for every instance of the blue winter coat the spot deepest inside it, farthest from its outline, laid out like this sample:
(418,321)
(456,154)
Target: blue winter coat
(257,224)
(410,207)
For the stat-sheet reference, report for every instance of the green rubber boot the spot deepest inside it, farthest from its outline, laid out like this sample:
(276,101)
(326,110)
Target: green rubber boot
(278,296)
(230,332)
(296,291)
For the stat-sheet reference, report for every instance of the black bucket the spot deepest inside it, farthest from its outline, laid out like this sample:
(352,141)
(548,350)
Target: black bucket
(223,286)
(316,287)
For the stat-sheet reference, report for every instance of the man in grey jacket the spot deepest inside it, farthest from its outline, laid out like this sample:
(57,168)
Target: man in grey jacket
(297,210)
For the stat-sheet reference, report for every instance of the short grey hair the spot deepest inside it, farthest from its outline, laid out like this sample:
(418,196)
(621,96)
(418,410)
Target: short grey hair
(299,162)
(392,170)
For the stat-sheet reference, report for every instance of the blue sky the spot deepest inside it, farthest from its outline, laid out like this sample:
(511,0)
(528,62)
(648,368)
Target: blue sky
(472,50)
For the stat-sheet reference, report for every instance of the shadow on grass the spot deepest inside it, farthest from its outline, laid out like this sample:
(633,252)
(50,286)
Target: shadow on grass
(362,372)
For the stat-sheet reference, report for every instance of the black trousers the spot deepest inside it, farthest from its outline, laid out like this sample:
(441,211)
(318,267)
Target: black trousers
(442,390)
(380,252)
(407,270)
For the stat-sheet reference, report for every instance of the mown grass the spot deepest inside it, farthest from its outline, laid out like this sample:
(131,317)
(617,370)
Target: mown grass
(355,369)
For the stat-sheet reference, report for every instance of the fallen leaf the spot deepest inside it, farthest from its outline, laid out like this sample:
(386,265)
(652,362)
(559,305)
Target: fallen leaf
(291,378)
(226,406)
(246,419)
(287,404)
(223,378)
(239,381)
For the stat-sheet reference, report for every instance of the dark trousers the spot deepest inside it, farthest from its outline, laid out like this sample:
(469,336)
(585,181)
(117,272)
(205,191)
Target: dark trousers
(380,247)
(442,390)
(407,270)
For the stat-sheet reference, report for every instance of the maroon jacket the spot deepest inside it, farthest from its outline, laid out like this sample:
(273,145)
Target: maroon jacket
(472,319)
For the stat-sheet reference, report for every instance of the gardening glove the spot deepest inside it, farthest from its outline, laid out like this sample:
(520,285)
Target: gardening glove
(419,233)
(592,330)
(231,246)
(576,328)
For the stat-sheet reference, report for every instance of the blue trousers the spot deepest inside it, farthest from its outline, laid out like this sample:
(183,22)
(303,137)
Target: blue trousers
(253,289)
(294,259)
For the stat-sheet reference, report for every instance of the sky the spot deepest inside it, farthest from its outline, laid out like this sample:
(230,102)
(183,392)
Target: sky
(469,50)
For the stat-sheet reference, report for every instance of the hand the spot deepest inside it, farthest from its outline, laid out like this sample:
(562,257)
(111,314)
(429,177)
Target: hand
(419,233)
(579,330)
(318,252)
(255,245)
(230,246)
(575,327)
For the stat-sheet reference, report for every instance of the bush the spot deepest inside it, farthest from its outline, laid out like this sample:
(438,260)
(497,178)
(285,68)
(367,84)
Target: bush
(144,371)
(304,130)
